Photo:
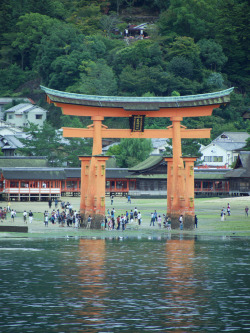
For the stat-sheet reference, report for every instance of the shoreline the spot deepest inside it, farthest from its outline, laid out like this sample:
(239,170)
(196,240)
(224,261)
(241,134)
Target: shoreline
(207,210)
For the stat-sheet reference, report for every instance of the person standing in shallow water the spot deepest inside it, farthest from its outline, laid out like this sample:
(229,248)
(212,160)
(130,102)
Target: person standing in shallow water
(181,222)
(12,214)
(195,221)
(139,218)
(246,211)
(159,221)
(89,222)
(30,216)
(25,216)
(152,220)
(222,215)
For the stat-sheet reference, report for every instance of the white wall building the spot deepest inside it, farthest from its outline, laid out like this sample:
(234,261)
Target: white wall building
(223,150)
(23,114)
(7,100)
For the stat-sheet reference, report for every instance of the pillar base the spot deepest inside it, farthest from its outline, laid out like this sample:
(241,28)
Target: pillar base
(95,222)
(188,221)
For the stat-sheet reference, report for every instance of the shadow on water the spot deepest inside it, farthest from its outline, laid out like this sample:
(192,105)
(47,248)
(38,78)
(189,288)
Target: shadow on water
(152,284)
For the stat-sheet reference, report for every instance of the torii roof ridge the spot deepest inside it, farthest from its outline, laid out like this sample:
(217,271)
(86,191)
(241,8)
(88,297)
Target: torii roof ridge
(139,103)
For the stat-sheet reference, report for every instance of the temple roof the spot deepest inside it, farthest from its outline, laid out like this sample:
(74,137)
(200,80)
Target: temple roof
(34,173)
(139,103)
(242,166)
(150,162)
(23,161)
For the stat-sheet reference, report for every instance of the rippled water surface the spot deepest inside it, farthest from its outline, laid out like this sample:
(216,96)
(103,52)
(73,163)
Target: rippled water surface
(125,285)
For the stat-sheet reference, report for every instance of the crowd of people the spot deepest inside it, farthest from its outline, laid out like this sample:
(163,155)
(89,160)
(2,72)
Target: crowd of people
(134,217)
(67,216)
(225,212)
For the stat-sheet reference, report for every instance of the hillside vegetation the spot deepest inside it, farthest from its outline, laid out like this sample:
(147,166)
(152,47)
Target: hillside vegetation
(194,46)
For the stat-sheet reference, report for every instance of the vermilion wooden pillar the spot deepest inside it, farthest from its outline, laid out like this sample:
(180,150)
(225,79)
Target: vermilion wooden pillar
(170,190)
(181,200)
(93,177)
(85,163)
(189,191)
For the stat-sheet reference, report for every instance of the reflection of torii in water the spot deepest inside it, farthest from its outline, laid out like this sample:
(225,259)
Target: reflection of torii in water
(180,188)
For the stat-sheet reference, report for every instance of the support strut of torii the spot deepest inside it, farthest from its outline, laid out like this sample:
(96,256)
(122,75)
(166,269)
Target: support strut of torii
(180,184)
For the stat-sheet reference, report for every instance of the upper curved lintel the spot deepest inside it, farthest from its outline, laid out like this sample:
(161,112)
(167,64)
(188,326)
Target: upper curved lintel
(139,103)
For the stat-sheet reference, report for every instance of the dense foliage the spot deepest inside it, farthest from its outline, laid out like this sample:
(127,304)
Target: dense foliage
(195,46)
(47,141)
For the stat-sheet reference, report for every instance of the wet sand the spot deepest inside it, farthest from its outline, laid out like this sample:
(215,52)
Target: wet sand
(207,210)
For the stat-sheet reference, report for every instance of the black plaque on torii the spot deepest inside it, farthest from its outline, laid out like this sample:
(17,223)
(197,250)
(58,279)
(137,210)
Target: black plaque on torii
(136,123)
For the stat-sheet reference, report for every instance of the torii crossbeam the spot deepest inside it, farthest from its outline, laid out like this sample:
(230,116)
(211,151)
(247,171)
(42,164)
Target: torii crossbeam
(180,188)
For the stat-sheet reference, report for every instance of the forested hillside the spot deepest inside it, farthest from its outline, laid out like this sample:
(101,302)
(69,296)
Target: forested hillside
(193,46)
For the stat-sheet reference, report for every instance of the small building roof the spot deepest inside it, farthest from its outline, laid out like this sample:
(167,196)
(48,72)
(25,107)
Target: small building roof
(232,137)
(242,166)
(25,108)
(209,175)
(73,172)
(33,173)
(150,162)
(117,173)
(10,142)
(114,173)
(227,146)
(23,161)
(231,145)
(151,176)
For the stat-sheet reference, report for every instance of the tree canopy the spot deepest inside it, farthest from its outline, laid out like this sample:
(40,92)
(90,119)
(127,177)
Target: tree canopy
(192,47)
(131,151)
(47,141)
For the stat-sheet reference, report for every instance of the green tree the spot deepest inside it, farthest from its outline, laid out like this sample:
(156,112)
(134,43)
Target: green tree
(97,79)
(183,47)
(109,23)
(190,147)
(143,79)
(132,151)
(141,53)
(180,66)
(11,78)
(212,54)
(232,33)
(192,18)
(44,141)
(215,81)
(47,141)
(87,18)
(62,40)
(32,28)
(247,147)
(74,148)
(65,70)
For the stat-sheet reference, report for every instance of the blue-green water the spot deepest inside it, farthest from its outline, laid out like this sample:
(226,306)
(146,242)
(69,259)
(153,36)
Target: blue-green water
(125,285)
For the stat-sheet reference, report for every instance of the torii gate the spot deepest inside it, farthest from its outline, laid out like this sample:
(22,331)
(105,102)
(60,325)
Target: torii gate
(180,185)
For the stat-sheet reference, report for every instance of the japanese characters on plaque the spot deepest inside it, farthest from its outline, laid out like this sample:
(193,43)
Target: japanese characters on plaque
(137,123)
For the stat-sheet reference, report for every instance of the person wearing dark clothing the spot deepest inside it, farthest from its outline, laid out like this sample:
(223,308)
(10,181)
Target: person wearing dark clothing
(195,221)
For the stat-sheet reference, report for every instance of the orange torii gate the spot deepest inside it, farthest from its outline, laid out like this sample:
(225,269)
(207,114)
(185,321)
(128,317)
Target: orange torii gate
(180,188)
